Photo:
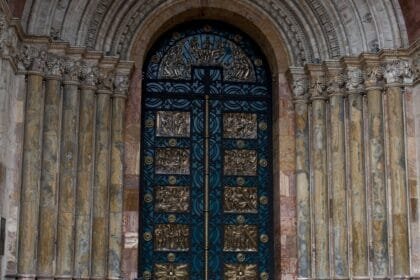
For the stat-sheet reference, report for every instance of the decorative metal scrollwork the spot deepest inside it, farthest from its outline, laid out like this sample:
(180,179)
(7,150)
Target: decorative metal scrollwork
(172,199)
(238,238)
(172,161)
(240,125)
(240,200)
(240,272)
(172,124)
(171,237)
(240,162)
(171,271)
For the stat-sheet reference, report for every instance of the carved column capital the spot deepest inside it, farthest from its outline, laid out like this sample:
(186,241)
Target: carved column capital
(54,67)
(88,76)
(373,76)
(335,83)
(298,81)
(317,87)
(393,73)
(71,71)
(106,81)
(31,59)
(121,84)
(354,80)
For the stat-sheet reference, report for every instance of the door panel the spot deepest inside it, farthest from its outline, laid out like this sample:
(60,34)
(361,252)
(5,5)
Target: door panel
(206,158)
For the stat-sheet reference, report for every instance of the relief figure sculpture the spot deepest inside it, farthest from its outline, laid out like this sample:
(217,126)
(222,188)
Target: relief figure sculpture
(171,237)
(172,124)
(239,238)
(240,125)
(172,161)
(240,162)
(172,199)
(240,200)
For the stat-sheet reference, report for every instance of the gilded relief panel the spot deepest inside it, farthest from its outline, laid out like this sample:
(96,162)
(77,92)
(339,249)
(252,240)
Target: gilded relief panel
(171,271)
(240,125)
(172,124)
(240,162)
(239,238)
(172,199)
(240,200)
(171,237)
(240,272)
(172,161)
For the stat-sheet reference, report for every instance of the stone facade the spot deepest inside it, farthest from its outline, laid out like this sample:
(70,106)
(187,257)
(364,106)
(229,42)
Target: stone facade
(345,127)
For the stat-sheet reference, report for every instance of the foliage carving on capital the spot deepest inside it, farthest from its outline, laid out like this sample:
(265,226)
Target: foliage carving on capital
(88,74)
(106,79)
(121,83)
(408,72)
(335,83)
(354,81)
(373,74)
(31,59)
(300,87)
(393,72)
(317,87)
(71,70)
(54,65)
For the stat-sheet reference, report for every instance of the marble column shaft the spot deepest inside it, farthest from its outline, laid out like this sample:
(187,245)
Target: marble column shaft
(85,182)
(338,183)
(116,186)
(101,177)
(49,178)
(357,182)
(376,156)
(398,186)
(28,230)
(68,179)
(320,185)
(302,186)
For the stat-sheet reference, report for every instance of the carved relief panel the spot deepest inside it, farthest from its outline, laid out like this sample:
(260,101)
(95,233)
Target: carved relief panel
(171,271)
(239,238)
(172,161)
(240,272)
(171,237)
(240,125)
(240,200)
(172,199)
(172,124)
(240,162)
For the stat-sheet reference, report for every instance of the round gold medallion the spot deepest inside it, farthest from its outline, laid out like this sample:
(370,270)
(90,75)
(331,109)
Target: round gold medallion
(258,62)
(264,238)
(147,275)
(148,198)
(147,236)
(148,160)
(240,257)
(263,200)
(172,142)
(149,123)
(263,162)
(240,144)
(171,257)
(264,276)
(172,180)
(240,181)
(172,218)
(240,219)
(263,125)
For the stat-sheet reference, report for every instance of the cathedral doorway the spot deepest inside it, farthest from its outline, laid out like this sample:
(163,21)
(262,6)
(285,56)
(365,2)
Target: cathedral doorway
(206,172)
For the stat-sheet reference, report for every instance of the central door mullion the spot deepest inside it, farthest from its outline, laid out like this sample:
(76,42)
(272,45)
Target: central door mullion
(206,190)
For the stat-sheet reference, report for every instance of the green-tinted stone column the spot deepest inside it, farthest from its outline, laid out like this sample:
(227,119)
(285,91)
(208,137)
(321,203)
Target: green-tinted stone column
(300,84)
(68,169)
(319,172)
(359,243)
(376,159)
(397,169)
(31,176)
(335,91)
(49,177)
(85,173)
(100,219)
(116,186)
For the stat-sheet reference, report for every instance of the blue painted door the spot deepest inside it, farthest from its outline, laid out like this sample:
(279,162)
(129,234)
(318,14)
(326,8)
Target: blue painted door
(206,186)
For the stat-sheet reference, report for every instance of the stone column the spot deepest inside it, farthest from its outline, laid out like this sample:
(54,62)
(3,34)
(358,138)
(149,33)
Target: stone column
(31,175)
(49,167)
(116,187)
(335,83)
(101,177)
(319,171)
(85,172)
(68,168)
(300,85)
(397,167)
(379,247)
(359,240)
